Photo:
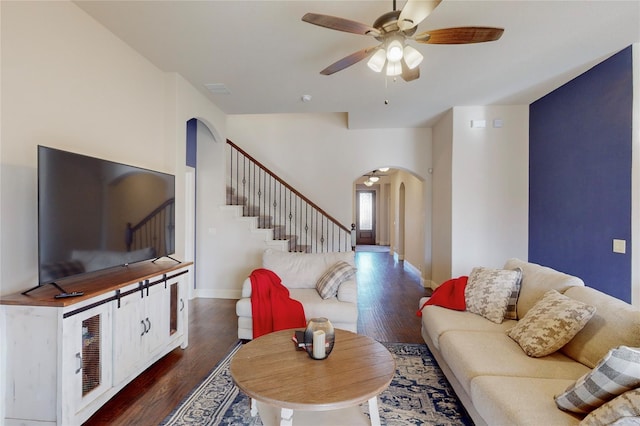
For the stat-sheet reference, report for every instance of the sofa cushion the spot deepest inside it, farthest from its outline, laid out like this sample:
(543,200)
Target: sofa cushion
(616,373)
(335,275)
(488,292)
(472,354)
(614,324)
(537,280)
(622,407)
(550,324)
(314,306)
(302,270)
(522,401)
(348,291)
(437,320)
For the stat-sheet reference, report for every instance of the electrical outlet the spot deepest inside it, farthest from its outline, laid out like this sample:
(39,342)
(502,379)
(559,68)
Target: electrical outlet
(619,246)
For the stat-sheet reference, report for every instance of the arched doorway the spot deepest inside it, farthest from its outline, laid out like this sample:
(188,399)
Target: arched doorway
(199,139)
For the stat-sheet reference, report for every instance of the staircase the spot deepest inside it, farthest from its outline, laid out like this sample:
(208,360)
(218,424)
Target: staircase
(277,206)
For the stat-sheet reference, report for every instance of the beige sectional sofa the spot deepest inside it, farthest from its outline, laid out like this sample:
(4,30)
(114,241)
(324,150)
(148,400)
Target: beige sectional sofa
(300,273)
(498,383)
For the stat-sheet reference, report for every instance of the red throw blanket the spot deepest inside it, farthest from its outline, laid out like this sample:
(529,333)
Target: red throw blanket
(271,307)
(450,295)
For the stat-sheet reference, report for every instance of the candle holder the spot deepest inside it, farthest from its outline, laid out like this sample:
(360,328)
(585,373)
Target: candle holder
(319,338)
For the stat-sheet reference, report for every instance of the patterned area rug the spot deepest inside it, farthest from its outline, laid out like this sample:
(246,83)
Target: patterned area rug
(418,395)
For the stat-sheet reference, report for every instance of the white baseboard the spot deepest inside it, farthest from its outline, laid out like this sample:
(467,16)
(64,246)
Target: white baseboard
(416,271)
(217,294)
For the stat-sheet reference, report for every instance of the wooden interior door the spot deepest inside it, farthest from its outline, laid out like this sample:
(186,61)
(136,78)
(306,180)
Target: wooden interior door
(365,217)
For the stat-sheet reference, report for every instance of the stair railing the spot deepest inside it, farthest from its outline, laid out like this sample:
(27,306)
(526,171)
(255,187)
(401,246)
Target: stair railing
(279,206)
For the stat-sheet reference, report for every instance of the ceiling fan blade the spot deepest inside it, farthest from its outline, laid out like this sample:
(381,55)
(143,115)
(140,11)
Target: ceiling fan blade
(340,24)
(347,61)
(415,11)
(460,35)
(409,74)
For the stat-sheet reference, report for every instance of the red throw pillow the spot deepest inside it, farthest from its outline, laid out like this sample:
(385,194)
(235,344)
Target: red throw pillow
(449,294)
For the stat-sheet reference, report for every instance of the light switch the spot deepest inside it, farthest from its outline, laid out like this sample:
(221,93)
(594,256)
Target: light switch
(619,246)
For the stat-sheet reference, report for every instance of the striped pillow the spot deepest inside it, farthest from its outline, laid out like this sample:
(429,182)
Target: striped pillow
(616,373)
(329,282)
(512,312)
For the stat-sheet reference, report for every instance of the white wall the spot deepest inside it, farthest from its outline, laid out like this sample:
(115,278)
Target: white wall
(489,187)
(322,158)
(481,189)
(71,84)
(442,196)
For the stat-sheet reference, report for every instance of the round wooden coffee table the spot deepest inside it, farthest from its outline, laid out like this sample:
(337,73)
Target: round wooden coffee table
(286,385)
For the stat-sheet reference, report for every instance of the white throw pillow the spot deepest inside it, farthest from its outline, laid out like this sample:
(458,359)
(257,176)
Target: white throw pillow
(615,374)
(329,282)
(550,324)
(488,292)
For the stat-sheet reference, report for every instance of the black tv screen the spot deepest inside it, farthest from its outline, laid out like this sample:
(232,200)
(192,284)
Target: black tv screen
(95,214)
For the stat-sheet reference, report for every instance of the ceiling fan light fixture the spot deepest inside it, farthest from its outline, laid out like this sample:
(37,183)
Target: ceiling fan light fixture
(376,62)
(394,68)
(384,169)
(374,179)
(368,183)
(412,57)
(394,50)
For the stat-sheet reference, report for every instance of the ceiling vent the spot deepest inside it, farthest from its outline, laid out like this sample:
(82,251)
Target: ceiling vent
(218,88)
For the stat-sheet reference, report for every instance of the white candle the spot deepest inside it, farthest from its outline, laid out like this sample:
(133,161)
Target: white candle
(319,351)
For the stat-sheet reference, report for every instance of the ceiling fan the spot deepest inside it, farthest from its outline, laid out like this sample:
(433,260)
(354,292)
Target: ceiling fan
(393,29)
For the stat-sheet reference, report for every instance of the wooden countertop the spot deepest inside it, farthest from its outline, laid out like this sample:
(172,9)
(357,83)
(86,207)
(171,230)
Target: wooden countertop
(270,369)
(93,284)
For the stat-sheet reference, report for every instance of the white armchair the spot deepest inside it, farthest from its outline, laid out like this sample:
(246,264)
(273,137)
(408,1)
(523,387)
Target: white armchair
(300,273)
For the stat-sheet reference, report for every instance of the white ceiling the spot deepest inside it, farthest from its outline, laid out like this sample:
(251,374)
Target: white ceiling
(268,58)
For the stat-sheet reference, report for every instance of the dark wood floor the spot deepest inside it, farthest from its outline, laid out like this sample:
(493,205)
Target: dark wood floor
(388,298)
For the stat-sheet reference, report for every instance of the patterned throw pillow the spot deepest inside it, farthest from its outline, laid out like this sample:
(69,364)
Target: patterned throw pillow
(512,312)
(621,408)
(488,292)
(616,373)
(550,324)
(329,282)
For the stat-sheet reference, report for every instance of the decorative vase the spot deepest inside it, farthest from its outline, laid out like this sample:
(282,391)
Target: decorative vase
(319,338)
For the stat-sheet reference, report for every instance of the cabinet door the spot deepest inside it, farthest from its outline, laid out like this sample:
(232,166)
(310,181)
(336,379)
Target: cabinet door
(130,329)
(86,359)
(142,328)
(156,319)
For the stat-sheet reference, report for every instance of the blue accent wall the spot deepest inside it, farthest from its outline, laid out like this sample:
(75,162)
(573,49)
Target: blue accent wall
(192,142)
(580,176)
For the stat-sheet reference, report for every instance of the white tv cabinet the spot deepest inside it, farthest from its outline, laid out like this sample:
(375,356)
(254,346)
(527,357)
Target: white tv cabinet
(65,358)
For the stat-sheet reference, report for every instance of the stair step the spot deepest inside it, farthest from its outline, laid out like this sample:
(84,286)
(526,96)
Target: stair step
(250,210)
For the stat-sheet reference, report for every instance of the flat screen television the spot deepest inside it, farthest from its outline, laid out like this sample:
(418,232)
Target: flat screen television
(95,214)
